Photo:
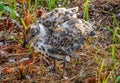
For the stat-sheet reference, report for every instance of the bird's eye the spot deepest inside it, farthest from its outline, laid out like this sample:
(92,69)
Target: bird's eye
(33,31)
(92,33)
(32,35)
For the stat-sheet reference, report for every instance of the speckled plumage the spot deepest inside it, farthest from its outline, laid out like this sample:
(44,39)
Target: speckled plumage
(58,33)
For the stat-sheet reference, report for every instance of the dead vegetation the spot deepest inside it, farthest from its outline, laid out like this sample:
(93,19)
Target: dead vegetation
(95,62)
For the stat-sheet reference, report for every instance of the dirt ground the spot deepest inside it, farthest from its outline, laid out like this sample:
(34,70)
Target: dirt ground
(94,64)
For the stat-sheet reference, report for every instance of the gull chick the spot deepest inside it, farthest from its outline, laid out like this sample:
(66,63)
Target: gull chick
(59,33)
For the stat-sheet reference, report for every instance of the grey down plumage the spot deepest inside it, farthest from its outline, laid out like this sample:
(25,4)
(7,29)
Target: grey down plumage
(59,33)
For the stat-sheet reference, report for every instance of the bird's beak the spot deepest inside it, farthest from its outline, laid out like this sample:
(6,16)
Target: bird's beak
(26,41)
(24,44)
(92,33)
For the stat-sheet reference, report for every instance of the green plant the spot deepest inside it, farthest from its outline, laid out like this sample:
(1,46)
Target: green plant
(36,4)
(114,37)
(117,79)
(1,8)
(101,68)
(4,9)
(109,29)
(42,2)
(12,7)
(105,80)
(51,4)
(116,27)
(66,3)
(95,56)
(23,23)
(86,10)
(29,4)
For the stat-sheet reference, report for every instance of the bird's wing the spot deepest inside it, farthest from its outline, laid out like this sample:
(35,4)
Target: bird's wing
(58,16)
(65,40)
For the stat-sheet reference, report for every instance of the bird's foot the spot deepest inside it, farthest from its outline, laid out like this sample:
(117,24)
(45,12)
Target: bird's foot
(53,73)
(52,69)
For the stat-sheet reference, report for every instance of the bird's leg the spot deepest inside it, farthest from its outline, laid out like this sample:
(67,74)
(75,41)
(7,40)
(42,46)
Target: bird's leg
(64,67)
(54,66)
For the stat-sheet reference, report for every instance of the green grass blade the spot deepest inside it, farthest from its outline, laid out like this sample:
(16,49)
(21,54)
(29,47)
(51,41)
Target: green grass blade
(116,27)
(86,10)
(51,4)
(117,79)
(115,21)
(15,2)
(35,5)
(101,68)
(114,37)
(29,4)
(23,23)
(113,53)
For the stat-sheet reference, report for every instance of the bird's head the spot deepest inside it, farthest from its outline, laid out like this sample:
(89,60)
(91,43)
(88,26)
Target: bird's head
(87,28)
(34,32)
(91,32)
